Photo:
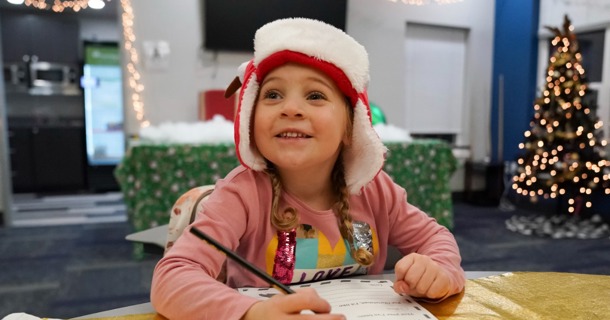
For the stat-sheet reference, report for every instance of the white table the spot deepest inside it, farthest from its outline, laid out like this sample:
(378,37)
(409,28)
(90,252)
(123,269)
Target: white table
(153,239)
(147,307)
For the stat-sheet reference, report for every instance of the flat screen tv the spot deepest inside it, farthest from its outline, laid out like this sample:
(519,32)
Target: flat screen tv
(229,25)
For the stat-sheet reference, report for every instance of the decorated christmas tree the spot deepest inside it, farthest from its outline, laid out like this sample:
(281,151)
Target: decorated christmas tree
(564,154)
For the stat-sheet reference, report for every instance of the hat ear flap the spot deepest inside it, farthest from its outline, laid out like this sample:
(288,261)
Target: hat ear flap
(246,150)
(364,151)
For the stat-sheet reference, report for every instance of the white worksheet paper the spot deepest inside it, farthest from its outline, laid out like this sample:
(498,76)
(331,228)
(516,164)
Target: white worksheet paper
(358,299)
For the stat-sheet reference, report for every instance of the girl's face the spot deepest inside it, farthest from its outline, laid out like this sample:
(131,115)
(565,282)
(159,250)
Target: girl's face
(300,118)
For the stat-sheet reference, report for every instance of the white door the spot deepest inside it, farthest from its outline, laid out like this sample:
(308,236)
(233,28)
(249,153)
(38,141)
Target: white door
(435,62)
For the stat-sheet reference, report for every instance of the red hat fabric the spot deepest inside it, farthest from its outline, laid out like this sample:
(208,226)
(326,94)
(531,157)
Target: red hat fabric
(326,48)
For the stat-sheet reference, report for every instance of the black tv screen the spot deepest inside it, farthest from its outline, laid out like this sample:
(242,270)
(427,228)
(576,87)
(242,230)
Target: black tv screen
(229,25)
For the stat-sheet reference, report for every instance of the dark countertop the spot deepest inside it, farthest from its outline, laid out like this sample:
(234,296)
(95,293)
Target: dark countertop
(45,122)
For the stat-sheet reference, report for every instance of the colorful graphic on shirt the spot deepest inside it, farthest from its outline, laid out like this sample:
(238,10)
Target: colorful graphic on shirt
(312,257)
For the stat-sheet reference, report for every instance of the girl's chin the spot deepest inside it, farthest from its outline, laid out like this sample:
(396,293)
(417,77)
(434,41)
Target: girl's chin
(289,164)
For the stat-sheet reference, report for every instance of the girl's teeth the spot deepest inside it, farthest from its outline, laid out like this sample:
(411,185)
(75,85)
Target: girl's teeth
(292,135)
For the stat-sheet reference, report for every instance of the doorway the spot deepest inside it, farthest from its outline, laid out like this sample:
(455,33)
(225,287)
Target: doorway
(435,76)
(42,135)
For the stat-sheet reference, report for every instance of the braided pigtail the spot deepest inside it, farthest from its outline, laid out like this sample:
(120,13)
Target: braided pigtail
(288,219)
(361,255)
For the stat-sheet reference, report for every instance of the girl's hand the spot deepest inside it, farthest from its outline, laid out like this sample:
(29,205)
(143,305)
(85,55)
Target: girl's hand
(289,306)
(420,276)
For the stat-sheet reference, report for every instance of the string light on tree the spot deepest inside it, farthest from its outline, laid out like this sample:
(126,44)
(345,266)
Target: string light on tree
(563,151)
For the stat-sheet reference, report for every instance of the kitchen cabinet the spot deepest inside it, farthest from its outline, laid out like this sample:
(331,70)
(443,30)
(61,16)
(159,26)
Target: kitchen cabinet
(22,167)
(44,36)
(47,159)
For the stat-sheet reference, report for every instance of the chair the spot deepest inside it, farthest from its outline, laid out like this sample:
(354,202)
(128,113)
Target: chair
(183,212)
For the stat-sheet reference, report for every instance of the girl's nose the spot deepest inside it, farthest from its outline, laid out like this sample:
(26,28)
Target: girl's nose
(292,108)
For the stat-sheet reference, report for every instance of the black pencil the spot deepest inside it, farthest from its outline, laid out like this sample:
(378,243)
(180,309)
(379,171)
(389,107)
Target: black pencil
(252,268)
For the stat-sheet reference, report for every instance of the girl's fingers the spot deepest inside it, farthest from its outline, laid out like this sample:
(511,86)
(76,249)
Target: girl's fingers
(402,267)
(420,276)
(305,299)
(425,281)
(290,306)
(415,273)
(440,286)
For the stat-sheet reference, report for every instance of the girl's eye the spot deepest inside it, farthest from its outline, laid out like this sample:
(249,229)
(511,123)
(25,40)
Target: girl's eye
(316,96)
(271,94)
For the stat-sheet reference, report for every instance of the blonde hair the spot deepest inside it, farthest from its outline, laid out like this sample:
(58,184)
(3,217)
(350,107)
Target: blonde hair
(288,219)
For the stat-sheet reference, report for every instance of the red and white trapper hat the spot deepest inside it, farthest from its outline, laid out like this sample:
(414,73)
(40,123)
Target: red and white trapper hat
(326,48)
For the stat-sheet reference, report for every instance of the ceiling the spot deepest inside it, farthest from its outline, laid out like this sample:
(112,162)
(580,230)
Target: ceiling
(110,11)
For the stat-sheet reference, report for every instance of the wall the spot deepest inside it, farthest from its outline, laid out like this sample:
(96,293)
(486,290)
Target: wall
(584,14)
(380,25)
(171,95)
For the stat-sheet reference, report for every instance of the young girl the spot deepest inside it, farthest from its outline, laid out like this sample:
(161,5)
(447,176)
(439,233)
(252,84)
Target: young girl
(310,201)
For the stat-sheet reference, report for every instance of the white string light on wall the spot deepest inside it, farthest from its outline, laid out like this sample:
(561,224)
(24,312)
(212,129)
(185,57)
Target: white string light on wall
(133,76)
(61,5)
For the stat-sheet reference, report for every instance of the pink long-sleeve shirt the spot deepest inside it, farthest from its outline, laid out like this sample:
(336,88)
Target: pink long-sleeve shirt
(237,214)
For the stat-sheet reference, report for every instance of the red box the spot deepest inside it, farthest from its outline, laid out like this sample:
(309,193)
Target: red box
(213,102)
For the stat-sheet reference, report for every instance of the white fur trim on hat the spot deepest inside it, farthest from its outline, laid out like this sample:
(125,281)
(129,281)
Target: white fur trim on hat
(363,157)
(315,39)
(246,150)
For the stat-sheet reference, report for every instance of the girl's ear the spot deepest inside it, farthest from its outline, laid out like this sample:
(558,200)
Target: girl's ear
(347,138)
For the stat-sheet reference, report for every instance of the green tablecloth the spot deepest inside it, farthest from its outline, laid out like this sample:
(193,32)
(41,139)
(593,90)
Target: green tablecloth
(152,177)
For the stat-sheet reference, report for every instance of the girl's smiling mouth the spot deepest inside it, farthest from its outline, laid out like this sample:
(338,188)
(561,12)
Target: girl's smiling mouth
(292,134)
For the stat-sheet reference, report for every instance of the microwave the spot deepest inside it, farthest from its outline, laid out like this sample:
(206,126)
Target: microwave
(53,78)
